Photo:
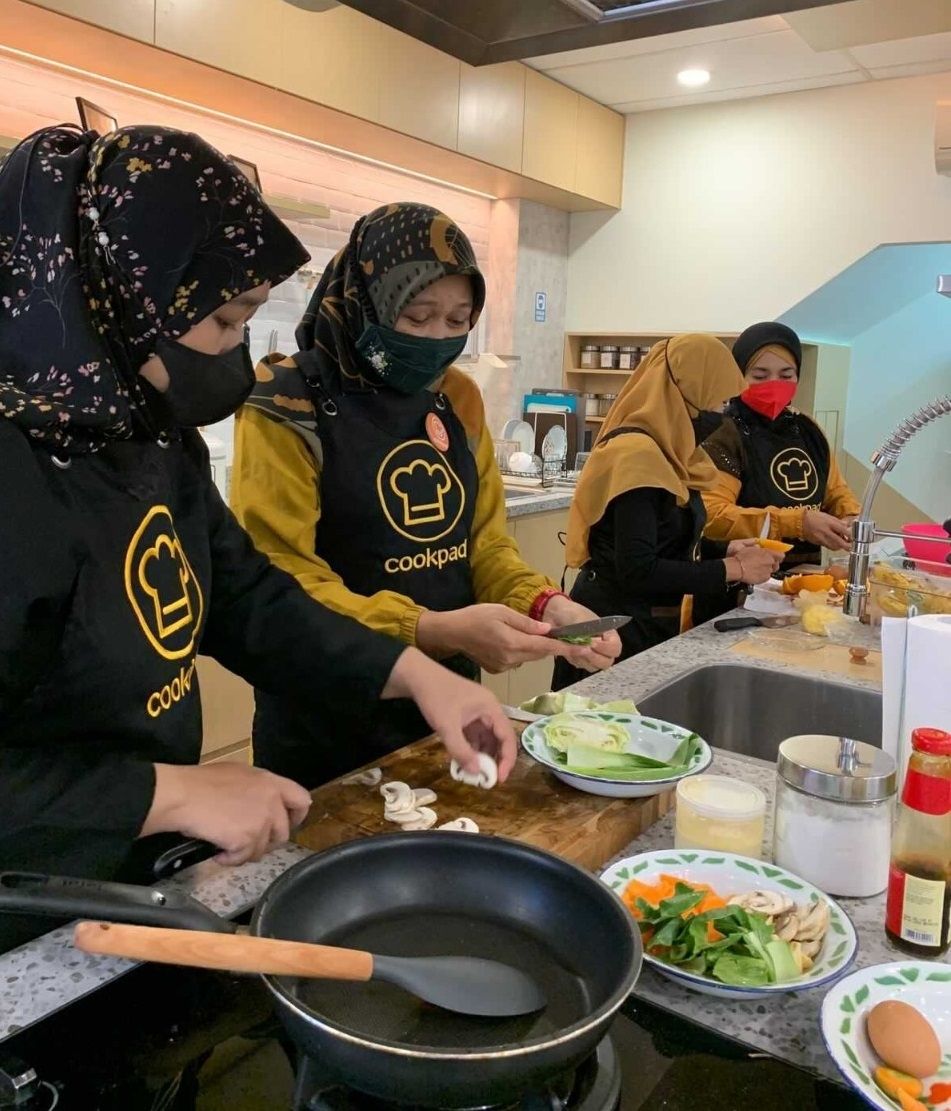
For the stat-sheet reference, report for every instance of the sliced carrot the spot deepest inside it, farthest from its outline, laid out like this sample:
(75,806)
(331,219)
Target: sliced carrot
(891,1081)
(909,1103)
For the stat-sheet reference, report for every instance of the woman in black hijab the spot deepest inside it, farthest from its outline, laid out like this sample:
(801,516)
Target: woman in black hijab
(129,266)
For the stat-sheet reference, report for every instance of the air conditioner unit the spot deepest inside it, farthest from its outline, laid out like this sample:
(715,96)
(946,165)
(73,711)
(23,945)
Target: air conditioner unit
(942,139)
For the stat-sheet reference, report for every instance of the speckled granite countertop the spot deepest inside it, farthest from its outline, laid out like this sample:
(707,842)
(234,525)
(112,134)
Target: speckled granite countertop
(46,974)
(540,501)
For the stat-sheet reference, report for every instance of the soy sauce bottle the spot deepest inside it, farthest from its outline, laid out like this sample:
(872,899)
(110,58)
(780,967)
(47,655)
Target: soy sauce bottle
(918,909)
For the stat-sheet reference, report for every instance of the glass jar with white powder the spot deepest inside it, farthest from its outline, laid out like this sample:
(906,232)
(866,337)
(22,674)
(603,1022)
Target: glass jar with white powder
(835,799)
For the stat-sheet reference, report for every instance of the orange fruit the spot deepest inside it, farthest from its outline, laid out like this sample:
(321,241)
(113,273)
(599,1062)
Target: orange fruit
(839,586)
(816,582)
(774,545)
(792,584)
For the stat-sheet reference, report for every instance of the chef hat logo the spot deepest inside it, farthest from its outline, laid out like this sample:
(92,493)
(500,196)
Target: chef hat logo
(794,473)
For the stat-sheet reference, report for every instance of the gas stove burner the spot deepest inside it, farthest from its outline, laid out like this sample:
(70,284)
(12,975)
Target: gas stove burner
(595,1085)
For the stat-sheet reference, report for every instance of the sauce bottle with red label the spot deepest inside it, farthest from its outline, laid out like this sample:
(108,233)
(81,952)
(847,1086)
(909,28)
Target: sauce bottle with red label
(918,910)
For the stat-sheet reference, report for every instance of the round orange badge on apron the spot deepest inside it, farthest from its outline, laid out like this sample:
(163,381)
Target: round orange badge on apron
(436,431)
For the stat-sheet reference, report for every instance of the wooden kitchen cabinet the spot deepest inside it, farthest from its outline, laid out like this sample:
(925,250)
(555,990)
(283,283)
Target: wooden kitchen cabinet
(550,144)
(600,153)
(333,58)
(227,707)
(133,18)
(420,90)
(240,36)
(492,114)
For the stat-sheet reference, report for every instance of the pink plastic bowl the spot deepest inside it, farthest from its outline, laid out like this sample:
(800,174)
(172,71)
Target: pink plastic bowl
(934,551)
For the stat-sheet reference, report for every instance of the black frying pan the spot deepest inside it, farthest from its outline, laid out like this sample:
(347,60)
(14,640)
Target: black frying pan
(416,894)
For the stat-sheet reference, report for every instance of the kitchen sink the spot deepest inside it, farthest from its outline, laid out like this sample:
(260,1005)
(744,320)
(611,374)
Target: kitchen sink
(750,709)
(522,492)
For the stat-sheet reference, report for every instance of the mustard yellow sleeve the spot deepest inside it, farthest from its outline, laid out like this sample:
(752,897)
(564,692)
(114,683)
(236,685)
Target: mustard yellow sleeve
(728,521)
(275,494)
(839,499)
(499,574)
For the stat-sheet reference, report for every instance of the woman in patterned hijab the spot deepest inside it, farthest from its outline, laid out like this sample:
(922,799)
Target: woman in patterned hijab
(106,245)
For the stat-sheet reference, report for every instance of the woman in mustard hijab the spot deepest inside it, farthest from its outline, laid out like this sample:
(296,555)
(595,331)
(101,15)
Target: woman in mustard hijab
(637,517)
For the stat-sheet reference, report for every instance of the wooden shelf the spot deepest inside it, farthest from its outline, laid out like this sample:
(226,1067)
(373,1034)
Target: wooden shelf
(594,420)
(598,370)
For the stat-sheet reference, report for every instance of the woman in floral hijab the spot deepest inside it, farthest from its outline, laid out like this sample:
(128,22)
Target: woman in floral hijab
(129,267)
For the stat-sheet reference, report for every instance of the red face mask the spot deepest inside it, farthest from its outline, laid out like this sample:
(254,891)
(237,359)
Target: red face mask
(769,398)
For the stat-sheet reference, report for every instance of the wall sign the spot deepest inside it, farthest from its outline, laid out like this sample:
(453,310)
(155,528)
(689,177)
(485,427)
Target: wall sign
(541,307)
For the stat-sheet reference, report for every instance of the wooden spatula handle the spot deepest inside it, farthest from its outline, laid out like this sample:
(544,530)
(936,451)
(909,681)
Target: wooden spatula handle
(228,952)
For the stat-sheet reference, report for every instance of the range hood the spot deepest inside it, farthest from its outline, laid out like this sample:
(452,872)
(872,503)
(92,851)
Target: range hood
(484,31)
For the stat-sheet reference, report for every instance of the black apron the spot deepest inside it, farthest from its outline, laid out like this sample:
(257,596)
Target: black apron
(787,464)
(398,486)
(652,620)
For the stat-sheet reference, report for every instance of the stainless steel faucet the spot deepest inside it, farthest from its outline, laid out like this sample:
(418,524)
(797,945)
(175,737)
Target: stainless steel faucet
(863,528)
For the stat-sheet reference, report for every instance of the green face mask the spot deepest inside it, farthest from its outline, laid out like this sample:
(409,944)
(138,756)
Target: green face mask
(407,363)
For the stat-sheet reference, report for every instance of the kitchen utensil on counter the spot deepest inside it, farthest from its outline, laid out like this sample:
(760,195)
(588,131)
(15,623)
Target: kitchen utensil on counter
(647,736)
(924,985)
(515,713)
(764,531)
(592,628)
(715,812)
(937,550)
(467,985)
(731,624)
(833,812)
(729,874)
(475,895)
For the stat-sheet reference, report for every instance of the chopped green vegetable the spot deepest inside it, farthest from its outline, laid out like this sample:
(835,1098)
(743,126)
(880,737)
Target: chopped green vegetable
(593,747)
(563,730)
(564,701)
(575,640)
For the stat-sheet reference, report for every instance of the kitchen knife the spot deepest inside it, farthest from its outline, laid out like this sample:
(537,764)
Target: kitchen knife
(589,628)
(764,531)
(513,713)
(731,624)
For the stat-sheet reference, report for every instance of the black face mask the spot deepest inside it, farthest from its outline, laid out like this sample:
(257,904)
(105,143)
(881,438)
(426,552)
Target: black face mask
(204,389)
(705,423)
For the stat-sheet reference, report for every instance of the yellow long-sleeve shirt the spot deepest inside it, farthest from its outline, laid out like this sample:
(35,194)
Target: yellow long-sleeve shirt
(275,494)
(728,521)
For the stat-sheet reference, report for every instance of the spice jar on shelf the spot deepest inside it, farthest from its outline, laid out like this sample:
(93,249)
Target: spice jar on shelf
(590,356)
(610,356)
(607,400)
(628,356)
(592,405)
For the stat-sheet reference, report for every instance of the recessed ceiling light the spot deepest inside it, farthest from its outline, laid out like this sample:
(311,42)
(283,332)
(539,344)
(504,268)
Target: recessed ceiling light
(693,78)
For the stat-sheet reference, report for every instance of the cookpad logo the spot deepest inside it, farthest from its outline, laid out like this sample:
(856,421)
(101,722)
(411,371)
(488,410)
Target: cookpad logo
(421,495)
(161,586)
(794,473)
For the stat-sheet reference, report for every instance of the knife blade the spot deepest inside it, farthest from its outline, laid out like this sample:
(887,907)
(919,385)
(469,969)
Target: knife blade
(513,713)
(764,531)
(589,628)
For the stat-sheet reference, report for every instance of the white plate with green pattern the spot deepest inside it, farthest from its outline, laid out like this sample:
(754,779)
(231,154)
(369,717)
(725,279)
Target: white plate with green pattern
(648,737)
(924,985)
(728,875)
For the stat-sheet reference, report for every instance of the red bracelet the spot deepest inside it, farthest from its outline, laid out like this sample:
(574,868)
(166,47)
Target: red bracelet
(538,606)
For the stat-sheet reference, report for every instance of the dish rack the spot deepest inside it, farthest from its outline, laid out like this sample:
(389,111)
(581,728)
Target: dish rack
(545,473)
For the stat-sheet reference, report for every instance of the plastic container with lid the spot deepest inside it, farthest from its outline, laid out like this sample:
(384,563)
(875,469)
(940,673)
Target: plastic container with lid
(592,405)
(918,908)
(720,813)
(607,400)
(610,356)
(835,798)
(590,356)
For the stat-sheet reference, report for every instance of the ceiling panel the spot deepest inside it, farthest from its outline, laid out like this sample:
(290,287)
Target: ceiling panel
(733,64)
(903,52)
(869,21)
(688,98)
(693,37)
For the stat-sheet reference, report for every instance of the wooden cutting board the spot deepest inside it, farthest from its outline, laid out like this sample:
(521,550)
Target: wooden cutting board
(830,659)
(532,806)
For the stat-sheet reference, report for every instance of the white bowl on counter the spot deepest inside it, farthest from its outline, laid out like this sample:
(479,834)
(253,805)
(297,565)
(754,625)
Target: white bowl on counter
(648,736)
(729,874)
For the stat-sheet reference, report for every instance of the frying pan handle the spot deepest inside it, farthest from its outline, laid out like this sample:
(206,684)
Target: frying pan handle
(728,624)
(183,856)
(72,897)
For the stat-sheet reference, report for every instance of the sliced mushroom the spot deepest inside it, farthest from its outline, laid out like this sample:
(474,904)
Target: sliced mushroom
(398,796)
(369,778)
(423,796)
(803,960)
(424,819)
(787,926)
(462,825)
(811,948)
(769,903)
(487,775)
(402,817)
(815,922)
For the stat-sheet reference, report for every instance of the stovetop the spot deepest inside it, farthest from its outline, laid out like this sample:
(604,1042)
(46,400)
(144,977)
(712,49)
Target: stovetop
(164,1039)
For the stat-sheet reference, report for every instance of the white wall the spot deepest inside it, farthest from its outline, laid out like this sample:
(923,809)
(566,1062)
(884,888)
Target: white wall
(735,212)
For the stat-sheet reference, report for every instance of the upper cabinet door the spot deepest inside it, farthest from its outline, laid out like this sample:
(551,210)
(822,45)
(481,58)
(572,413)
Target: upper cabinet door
(239,36)
(600,152)
(333,58)
(133,18)
(550,149)
(419,90)
(492,114)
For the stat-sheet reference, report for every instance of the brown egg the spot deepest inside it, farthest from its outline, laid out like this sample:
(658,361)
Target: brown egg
(903,1038)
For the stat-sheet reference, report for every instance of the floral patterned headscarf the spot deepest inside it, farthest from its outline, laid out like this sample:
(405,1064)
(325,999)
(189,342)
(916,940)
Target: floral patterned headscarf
(394,253)
(107,244)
